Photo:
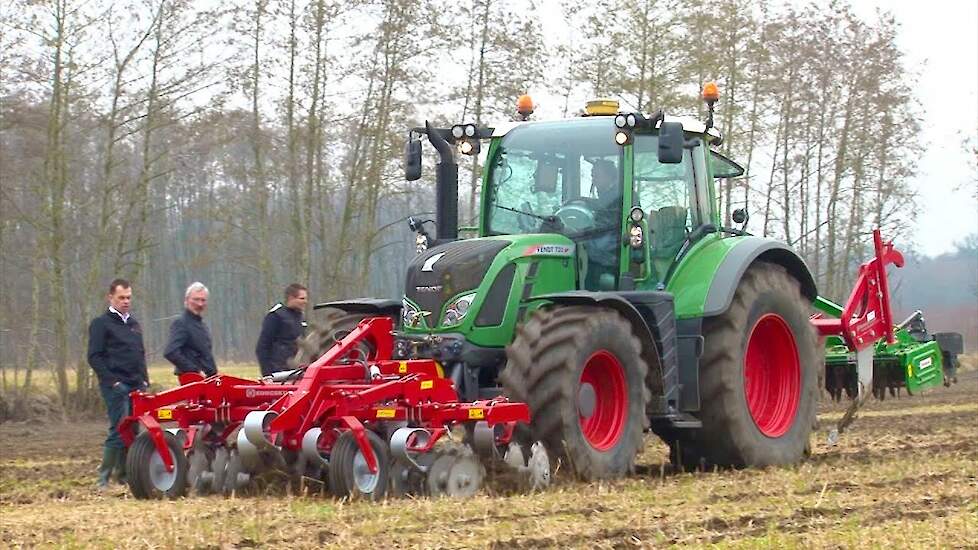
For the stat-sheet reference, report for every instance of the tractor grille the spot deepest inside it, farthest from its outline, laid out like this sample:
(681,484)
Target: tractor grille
(461,268)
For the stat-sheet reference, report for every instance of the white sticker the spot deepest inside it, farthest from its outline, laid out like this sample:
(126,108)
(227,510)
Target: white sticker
(925,363)
(871,315)
(547,250)
(430,262)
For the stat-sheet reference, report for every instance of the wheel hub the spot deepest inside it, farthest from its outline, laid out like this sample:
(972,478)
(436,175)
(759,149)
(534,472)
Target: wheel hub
(161,479)
(586,400)
(602,400)
(365,481)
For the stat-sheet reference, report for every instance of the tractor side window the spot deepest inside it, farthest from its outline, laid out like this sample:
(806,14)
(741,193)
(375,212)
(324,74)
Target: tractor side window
(667,192)
(722,167)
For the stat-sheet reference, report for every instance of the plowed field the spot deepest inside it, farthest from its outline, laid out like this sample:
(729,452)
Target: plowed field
(906,475)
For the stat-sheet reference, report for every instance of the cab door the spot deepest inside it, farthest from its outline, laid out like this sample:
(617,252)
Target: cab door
(673,200)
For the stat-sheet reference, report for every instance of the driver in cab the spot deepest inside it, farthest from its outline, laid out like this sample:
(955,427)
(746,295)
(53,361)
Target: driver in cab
(602,248)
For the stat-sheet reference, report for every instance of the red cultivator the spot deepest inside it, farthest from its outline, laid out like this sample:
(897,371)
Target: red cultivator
(354,419)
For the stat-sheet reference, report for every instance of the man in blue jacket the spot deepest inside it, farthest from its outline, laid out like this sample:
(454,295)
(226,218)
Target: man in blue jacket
(116,354)
(189,346)
(281,330)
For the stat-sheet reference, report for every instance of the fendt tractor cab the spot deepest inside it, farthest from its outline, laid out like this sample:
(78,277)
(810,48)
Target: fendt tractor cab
(603,291)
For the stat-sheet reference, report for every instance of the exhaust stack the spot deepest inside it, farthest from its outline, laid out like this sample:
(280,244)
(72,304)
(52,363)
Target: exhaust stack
(446,186)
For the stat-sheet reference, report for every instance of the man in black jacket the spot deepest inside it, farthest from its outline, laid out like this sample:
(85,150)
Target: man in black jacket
(189,346)
(116,354)
(281,330)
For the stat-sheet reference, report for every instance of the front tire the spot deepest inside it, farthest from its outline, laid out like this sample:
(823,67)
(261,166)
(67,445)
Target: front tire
(758,376)
(581,371)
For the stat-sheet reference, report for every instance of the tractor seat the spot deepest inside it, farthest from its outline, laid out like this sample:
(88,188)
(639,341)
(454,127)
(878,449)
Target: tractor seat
(668,228)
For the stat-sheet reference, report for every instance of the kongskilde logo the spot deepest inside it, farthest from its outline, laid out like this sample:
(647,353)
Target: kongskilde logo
(251,392)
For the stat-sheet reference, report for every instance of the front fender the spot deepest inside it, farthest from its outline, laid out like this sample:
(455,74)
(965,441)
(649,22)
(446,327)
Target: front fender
(371,306)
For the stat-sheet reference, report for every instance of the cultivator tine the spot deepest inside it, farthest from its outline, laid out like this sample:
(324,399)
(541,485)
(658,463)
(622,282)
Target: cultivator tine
(310,447)
(864,369)
(534,470)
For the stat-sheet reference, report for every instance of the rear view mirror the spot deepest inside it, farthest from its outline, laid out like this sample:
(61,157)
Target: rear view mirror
(671,140)
(412,159)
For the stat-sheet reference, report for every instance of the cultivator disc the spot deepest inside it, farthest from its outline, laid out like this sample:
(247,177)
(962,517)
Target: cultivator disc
(456,473)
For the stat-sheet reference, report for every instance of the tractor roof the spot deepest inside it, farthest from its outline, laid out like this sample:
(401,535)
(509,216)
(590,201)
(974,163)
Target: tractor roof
(690,124)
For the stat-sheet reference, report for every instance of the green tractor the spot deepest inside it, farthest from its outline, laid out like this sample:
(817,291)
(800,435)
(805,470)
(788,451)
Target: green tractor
(604,291)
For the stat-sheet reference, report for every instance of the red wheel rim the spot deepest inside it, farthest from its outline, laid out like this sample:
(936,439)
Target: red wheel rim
(604,426)
(772,375)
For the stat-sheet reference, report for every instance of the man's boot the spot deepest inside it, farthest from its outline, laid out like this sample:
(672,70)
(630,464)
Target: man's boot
(110,457)
(120,466)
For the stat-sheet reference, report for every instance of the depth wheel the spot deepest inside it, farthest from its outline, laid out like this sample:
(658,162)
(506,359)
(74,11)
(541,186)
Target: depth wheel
(581,371)
(148,478)
(349,475)
(758,376)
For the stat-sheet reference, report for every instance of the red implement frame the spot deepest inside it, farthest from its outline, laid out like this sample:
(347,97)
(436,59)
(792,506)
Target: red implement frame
(345,389)
(866,316)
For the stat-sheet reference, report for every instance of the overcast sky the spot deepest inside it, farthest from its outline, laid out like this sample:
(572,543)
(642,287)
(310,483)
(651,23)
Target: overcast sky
(940,38)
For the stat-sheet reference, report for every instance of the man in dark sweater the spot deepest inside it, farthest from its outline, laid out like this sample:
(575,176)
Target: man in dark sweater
(116,354)
(189,346)
(281,330)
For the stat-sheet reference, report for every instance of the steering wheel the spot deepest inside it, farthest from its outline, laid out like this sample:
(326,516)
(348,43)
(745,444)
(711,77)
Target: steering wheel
(577,215)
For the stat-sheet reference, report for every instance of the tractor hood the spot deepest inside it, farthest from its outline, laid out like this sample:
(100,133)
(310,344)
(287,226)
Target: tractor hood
(447,286)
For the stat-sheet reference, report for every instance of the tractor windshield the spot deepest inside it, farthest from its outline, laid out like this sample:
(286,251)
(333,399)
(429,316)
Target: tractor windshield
(556,177)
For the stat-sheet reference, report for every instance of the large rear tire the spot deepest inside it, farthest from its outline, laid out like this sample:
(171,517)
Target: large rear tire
(758,377)
(581,371)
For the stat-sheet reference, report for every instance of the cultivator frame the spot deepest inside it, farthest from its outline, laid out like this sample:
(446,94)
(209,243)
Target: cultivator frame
(295,419)
(865,319)
(867,353)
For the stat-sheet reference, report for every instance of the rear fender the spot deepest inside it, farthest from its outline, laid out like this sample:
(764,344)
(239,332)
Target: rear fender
(743,255)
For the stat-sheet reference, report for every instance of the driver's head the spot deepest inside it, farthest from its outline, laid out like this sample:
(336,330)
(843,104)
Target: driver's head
(604,179)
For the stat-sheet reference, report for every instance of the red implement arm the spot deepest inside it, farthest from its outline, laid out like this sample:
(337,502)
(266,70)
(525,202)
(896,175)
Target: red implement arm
(866,316)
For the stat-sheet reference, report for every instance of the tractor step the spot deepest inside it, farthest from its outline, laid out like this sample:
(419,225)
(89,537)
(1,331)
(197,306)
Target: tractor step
(681,421)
